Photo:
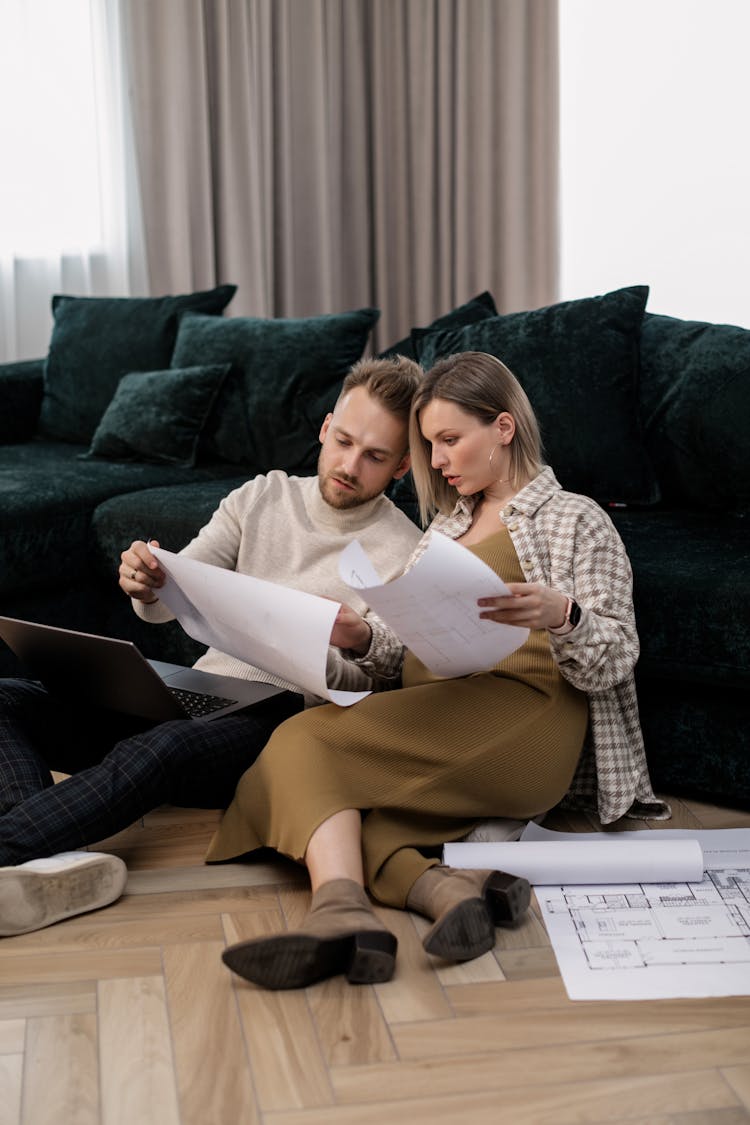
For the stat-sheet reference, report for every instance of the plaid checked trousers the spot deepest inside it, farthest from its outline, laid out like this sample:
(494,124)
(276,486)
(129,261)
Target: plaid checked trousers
(120,768)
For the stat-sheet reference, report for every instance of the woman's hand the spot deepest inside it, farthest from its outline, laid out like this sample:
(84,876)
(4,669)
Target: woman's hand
(140,573)
(531,605)
(351,631)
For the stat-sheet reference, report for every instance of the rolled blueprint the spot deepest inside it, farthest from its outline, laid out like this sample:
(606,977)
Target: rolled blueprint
(619,860)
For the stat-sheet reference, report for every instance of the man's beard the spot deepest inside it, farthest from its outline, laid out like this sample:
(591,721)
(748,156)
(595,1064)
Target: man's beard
(335,497)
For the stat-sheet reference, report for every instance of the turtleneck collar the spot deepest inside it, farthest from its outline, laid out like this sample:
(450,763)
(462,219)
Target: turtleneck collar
(343,520)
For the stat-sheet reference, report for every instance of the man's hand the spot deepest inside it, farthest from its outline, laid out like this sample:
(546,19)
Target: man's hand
(351,631)
(140,573)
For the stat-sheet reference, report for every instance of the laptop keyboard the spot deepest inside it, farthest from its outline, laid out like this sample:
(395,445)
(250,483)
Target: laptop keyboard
(197,703)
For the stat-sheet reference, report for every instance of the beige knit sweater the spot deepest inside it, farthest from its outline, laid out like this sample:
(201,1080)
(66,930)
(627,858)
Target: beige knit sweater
(279,528)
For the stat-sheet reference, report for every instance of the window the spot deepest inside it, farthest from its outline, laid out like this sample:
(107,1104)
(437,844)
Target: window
(50,188)
(69,215)
(655,169)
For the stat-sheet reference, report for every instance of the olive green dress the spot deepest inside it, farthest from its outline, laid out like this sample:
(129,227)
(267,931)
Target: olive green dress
(424,763)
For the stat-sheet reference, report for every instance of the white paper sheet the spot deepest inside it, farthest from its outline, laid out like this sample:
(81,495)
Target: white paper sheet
(433,608)
(644,941)
(281,630)
(582,861)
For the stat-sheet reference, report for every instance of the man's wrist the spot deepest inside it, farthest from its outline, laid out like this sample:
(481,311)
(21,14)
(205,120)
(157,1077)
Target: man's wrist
(363,647)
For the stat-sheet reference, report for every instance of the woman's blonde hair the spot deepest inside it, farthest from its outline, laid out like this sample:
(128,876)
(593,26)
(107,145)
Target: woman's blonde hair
(481,385)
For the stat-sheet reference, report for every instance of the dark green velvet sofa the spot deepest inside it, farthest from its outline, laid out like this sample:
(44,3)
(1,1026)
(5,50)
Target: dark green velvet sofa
(646,413)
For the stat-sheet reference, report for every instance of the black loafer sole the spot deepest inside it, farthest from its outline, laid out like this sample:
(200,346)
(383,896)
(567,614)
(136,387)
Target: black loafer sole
(295,960)
(468,930)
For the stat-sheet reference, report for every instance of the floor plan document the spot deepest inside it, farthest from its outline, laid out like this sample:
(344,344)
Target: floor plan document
(432,609)
(645,941)
(580,861)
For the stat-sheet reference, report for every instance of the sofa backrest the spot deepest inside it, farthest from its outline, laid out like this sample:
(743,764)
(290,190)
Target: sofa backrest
(695,396)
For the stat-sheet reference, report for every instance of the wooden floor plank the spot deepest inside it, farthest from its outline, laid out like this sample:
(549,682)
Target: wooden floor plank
(33,968)
(11,1076)
(534,1066)
(209,899)
(137,1075)
(285,1056)
(554,1104)
(415,992)
(109,933)
(213,1078)
(592,1023)
(27,1000)
(12,1033)
(61,1079)
(738,1078)
(199,878)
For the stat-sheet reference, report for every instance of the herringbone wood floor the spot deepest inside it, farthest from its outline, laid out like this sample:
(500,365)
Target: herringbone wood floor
(128,1017)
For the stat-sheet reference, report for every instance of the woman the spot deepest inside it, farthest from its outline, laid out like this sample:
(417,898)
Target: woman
(360,794)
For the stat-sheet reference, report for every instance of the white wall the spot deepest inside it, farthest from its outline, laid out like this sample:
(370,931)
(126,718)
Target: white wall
(655,153)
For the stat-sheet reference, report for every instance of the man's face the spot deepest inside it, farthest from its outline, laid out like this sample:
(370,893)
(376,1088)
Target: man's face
(363,450)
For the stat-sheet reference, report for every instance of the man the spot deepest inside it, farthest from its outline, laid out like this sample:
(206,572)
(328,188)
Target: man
(289,530)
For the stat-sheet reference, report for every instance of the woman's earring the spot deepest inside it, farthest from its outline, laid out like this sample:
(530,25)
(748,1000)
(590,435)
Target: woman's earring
(492,454)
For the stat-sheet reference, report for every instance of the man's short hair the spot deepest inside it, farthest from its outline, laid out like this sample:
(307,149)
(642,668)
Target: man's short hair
(392,380)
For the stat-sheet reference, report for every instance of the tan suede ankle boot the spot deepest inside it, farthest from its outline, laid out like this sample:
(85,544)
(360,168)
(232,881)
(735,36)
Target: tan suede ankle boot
(466,906)
(340,934)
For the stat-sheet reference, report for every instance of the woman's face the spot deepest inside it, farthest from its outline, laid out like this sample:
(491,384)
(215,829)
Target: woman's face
(461,446)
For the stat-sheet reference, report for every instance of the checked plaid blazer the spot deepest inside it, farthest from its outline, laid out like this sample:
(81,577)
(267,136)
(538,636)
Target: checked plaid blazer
(568,542)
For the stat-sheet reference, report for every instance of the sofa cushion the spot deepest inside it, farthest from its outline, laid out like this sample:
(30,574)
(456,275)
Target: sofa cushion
(695,389)
(158,416)
(96,340)
(48,497)
(691,592)
(697,740)
(21,388)
(478,308)
(173,515)
(578,362)
(286,375)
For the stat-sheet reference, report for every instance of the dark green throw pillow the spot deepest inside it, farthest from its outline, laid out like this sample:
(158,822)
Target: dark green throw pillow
(478,308)
(286,375)
(157,416)
(96,340)
(578,363)
(695,390)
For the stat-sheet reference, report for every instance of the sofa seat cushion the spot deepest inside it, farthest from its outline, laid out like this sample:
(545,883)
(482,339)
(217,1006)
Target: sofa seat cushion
(172,515)
(697,740)
(47,498)
(692,594)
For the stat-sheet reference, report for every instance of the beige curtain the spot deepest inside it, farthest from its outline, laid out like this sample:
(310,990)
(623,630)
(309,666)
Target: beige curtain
(329,154)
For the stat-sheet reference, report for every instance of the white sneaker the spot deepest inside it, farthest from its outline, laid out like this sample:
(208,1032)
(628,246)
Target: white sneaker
(494,830)
(43,891)
(499,828)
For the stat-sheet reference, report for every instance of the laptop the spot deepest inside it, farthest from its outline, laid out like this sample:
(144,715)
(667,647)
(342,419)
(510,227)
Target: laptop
(107,672)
